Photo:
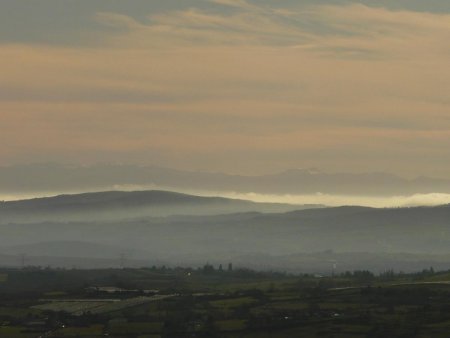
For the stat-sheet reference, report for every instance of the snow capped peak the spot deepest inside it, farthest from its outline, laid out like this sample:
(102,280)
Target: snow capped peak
(303,171)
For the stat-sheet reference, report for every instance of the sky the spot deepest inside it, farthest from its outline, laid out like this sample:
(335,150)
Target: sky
(235,86)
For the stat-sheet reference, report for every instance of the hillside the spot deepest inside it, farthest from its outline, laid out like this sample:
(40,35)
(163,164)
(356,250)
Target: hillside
(113,205)
(257,239)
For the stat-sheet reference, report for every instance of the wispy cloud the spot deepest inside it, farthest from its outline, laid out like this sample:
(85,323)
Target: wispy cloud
(333,86)
(241,4)
(322,28)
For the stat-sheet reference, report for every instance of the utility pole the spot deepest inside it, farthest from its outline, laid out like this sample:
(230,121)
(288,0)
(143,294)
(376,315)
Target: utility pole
(22,260)
(333,272)
(122,260)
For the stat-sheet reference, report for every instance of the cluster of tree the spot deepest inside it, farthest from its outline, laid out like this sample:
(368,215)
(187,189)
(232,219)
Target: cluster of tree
(361,276)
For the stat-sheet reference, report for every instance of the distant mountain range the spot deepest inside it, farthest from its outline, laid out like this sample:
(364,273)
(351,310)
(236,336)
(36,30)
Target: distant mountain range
(196,230)
(52,177)
(114,205)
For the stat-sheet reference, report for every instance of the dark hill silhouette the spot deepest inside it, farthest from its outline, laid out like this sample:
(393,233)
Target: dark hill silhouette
(112,205)
(132,221)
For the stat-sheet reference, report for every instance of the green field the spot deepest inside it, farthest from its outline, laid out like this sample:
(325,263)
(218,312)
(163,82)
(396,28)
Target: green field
(233,302)
(136,328)
(75,308)
(15,332)
(89,331)
(240,304)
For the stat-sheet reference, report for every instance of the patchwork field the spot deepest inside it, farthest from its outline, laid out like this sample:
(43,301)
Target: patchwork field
(198,303)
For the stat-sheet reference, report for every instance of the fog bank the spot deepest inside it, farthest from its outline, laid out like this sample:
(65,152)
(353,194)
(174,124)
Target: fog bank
(341,200)
(429,199)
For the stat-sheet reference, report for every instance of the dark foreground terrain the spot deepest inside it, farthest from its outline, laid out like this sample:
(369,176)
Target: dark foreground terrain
(221,302)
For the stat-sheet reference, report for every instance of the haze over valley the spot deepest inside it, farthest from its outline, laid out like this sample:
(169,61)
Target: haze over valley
(300,220)
(161,227)
(225,168)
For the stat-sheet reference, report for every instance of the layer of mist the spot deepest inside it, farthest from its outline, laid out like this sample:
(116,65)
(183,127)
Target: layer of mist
(432,199)
(114,205)
(318,199)
(193,230)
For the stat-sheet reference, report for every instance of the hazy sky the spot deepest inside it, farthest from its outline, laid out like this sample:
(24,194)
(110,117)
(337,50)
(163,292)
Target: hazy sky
(227,85)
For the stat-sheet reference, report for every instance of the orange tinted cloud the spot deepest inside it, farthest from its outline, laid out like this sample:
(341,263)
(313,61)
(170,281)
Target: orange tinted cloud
(254,81)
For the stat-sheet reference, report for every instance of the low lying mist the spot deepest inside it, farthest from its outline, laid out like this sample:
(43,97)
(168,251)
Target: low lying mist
(332,200)
(341,200)
(182,229)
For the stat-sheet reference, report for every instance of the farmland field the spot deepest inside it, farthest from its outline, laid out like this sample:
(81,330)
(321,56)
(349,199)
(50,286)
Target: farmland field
(225,304)
(78,308)
(75,308)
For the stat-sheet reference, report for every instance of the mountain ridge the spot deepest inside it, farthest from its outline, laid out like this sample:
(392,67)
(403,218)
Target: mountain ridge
(52,177)
(177,239)
(111,205)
